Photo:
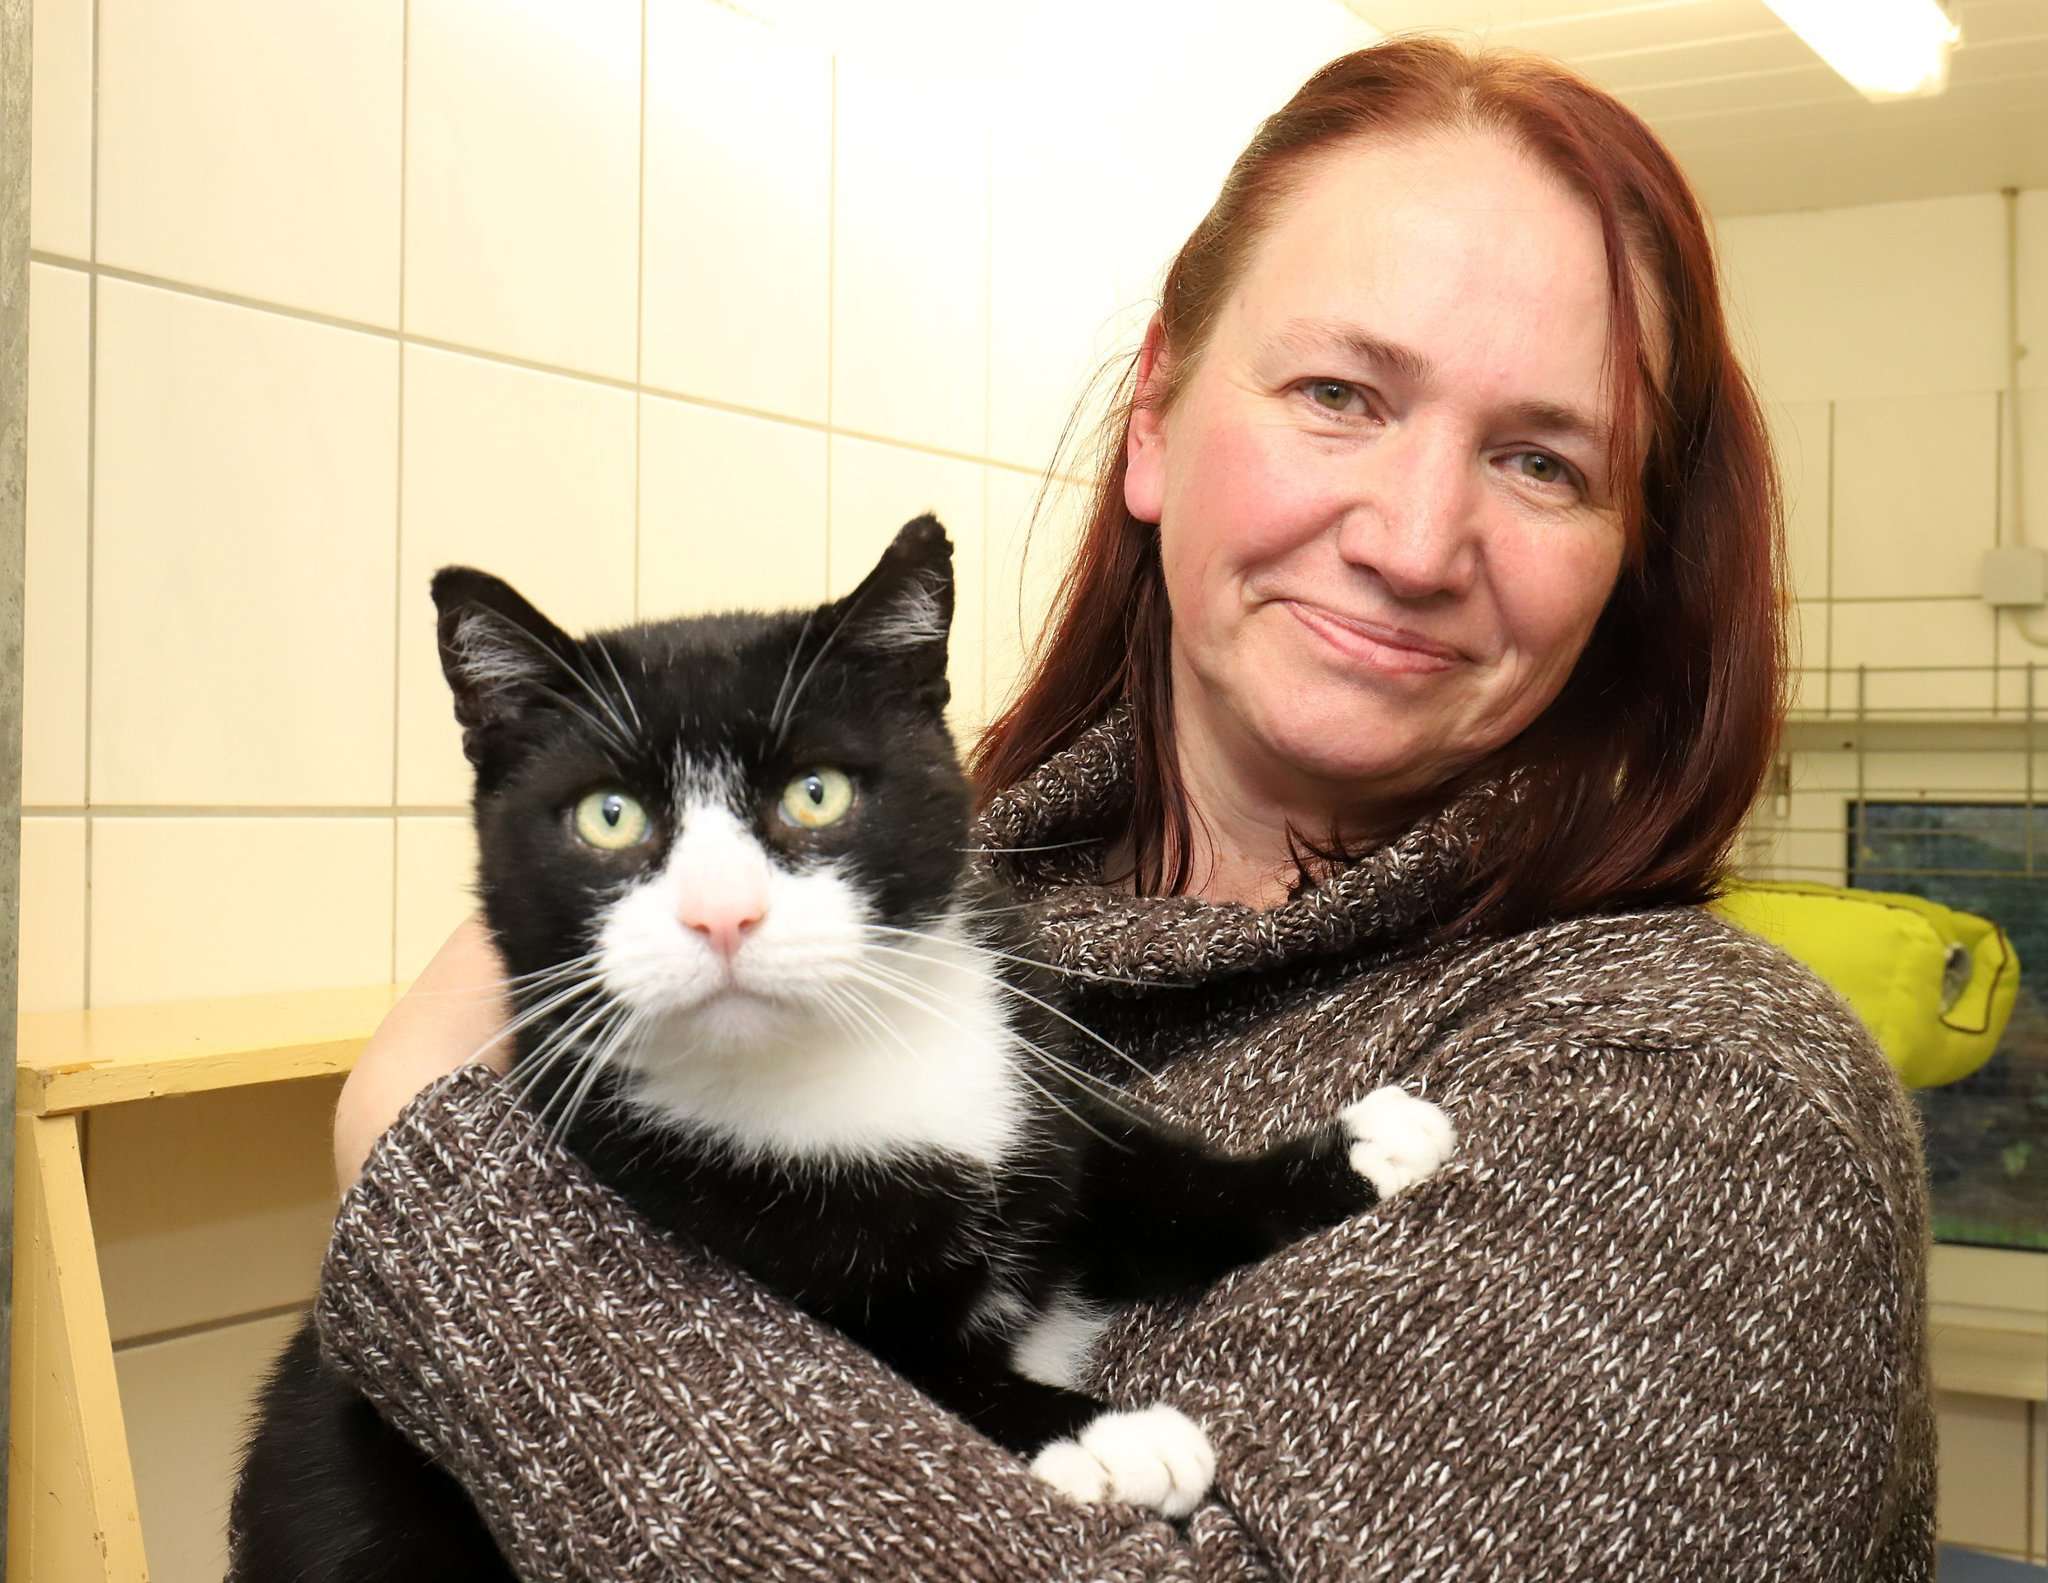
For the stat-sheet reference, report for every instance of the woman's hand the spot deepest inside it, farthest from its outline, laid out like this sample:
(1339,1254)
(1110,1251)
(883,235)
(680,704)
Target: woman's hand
(455,1013)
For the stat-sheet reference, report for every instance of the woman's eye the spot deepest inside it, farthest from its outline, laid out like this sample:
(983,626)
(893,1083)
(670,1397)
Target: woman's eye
(611,821)
(1335,396)
(817,798)
(1541,468)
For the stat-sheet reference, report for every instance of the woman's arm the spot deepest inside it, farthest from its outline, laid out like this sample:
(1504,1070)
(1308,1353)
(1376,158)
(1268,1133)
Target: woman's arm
(1655,1317)
(1658,1317)
(622,1408)
(455,1012)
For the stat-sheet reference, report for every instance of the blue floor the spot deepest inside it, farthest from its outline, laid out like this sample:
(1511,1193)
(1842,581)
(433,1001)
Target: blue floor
(1973,1566)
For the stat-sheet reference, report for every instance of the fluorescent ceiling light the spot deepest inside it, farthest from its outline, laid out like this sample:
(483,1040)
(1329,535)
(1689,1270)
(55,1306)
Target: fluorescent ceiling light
(1887,49)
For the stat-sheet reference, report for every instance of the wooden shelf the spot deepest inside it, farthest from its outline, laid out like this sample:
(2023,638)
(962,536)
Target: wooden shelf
(73,1060)
(72,1514)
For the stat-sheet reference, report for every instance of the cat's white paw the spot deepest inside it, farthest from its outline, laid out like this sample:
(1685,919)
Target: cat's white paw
(1156,1457)
(1396,1139)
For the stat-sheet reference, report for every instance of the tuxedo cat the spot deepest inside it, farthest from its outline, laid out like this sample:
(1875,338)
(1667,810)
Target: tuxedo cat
(764,991)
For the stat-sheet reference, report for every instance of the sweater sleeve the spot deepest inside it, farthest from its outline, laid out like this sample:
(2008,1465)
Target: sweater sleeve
(1659,1316)
(621,1408)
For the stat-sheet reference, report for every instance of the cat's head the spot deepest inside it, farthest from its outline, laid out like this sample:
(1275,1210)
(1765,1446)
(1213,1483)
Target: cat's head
(704,827)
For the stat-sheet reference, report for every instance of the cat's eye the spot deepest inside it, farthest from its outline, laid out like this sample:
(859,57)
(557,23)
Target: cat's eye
(817,798)
(611,821)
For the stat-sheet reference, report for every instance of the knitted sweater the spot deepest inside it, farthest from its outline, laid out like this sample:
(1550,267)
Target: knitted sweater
(1661,1315)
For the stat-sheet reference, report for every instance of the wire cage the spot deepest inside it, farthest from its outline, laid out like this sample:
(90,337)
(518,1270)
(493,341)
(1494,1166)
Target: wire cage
(1928,781)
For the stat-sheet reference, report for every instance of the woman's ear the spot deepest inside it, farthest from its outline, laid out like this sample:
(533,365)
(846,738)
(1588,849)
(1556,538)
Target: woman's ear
(1145,440)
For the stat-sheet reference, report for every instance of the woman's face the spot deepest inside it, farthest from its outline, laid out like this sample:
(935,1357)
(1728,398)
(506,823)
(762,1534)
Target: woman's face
(1384,511)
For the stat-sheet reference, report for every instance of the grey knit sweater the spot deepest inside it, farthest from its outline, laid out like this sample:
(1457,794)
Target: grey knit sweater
(1661,1316)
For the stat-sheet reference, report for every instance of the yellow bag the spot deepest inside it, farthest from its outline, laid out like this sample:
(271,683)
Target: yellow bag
(1935,986)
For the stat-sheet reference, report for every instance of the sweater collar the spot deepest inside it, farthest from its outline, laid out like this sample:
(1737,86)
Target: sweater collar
(1044,839)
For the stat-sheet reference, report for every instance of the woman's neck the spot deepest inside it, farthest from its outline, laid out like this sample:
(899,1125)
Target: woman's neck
(1242,812)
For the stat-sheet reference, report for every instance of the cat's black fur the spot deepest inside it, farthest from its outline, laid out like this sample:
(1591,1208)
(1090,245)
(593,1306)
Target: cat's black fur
(1096,1198)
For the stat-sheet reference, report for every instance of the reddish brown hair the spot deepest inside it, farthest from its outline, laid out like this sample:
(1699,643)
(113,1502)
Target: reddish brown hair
(1642,769)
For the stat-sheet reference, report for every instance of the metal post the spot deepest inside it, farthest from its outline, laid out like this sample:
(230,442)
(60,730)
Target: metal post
(14,135)
(2027,739)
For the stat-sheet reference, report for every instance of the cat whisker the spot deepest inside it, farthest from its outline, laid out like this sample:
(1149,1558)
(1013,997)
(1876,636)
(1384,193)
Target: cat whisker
(597,1056)
(1054,846)
(575,1044)
(559,1045)
(789,670)
(1079,1076)
(1022,994)
(625,697)
(619,738)
(831,637)
(1107,1093)
(1086,975)
(882,1023)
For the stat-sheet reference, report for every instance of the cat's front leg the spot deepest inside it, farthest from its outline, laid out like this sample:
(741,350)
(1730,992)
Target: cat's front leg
(1161,1214)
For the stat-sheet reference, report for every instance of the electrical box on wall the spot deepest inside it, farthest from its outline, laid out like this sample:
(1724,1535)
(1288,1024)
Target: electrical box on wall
(2017,575)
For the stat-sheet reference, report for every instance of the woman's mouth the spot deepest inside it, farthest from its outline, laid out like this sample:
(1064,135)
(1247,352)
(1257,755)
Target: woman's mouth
(1385,649)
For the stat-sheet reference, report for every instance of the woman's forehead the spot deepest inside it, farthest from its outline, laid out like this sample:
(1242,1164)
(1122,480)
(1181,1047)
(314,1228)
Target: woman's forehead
(1456,255)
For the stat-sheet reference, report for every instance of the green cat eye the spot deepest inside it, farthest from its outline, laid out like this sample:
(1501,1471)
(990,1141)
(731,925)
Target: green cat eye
(611,821)
(817,798)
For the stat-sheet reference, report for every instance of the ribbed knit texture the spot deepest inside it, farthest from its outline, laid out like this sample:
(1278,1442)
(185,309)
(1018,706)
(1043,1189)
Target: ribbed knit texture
(1662,1315)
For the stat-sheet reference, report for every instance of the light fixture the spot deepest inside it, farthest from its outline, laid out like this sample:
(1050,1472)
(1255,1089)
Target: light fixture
(1887,49)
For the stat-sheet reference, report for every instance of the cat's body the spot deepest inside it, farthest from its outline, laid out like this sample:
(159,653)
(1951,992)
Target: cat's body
(769,1001)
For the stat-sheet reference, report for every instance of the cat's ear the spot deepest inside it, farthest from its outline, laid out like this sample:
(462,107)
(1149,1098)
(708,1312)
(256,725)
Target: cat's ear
(903,609)
(500,655)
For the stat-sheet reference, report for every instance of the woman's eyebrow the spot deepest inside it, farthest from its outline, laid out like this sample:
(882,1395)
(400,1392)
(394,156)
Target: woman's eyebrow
(1308,337)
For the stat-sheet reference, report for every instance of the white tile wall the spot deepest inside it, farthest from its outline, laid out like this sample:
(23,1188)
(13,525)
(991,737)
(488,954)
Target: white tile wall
(254,148)
(1916,493)
(436,878)
(186,1402)
(1895,637)
(51,967)
(522,179)
(187,908)
(1809,642)
(910,260)
(54,562)
(1911,301)
(736,272)
(527,476)
(1031,538)
(248,1227)
(60,132)
(732,511)
(244,543)
(877,488)
(1056,313)
(1800,433)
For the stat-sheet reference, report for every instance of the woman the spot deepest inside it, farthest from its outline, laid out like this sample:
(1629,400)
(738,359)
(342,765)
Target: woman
(1421,659)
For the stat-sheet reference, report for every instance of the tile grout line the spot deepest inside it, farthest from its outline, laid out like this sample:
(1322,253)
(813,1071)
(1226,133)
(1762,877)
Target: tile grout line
(1827,639)
(240,811)
(398,508)
(92,433)
(1997,541)
(511,360)
(988,393)
(831,292)
(640,316)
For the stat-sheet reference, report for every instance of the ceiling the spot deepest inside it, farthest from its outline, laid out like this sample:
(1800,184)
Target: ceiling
(1758,120)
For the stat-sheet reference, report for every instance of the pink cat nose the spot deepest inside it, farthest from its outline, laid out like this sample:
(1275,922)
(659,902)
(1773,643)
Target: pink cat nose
(723,921)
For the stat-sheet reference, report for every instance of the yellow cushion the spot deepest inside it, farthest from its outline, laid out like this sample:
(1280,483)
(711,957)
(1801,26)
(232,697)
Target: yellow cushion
(1934,985)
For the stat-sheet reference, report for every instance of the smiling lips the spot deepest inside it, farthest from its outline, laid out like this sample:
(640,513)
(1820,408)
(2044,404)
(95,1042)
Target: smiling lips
(1383,648)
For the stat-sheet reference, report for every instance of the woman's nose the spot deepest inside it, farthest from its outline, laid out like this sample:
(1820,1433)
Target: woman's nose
(1414,521)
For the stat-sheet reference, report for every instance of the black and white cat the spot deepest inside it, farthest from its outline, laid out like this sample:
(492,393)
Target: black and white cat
(767,996)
